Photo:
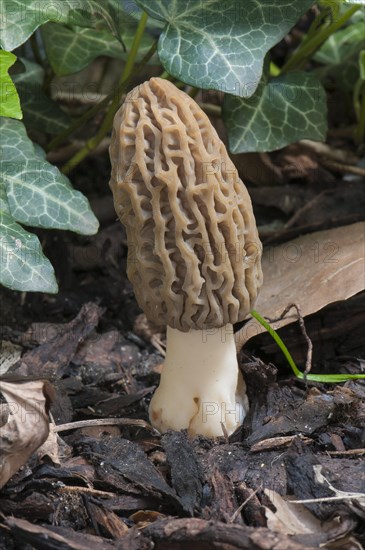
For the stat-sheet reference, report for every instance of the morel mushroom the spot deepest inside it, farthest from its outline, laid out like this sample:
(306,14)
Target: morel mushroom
(194,254)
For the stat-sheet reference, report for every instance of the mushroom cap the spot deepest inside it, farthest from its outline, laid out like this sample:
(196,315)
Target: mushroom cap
(194,255)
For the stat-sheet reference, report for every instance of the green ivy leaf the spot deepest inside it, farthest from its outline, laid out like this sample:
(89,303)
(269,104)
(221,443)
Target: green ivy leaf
(284,110)
(340,45)
(9,99)
(4,206)
(71,49)
(23,264)
(339,55)
(37,193)
(39,110)
(20,18)
(222,45)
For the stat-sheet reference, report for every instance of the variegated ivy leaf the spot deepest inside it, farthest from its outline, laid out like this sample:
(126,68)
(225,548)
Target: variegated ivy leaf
(71,49)
(4,206)
(221,44)
(9,99)
(284,110)
(23,264)
(39,110)
(37,193)
(20,18)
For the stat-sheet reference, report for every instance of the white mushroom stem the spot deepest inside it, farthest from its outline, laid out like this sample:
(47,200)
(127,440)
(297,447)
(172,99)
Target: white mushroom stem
(201,388)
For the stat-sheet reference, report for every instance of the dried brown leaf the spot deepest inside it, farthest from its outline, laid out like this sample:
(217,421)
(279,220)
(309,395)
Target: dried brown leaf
(296,520)
(290,519)
(27,426)
(9,355)
(50,447)
(312,271)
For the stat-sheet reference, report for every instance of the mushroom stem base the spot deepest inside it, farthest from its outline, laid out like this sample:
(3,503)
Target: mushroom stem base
(201,388)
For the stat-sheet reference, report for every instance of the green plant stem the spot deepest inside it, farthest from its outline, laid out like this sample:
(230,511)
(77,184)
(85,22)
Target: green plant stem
(359,104)
(278,340)
(308,48)
(327,378)
(125,79)
(127,71)
(78,123)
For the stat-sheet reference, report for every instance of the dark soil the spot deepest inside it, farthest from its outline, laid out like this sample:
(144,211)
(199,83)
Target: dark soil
(125,486)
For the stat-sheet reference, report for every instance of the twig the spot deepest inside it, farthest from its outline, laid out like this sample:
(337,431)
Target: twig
(348,452)
(210,109)
(241,506)
(342,131)
(344,168)
(308,363)
(352,496)
(88,490)
(158,344)
(306,207)
(104,422)
(333,153)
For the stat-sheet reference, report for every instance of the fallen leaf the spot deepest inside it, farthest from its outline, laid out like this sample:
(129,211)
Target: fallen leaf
(312,271)
(9,354)
(357,497)
(297,521)
(290,519)
(27,426)
(50,447)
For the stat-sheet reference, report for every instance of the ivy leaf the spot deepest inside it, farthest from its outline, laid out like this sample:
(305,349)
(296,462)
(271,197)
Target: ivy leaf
(4,206)
(9,99)
(70,50)
(221,45)
(23,264)
(20,18)
(339,55)
(282,111)
(36,190)
(39,110)
(341,44)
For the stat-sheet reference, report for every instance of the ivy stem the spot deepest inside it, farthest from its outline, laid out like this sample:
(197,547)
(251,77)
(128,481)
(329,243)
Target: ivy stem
(125,79)
(78,123)
(307,49)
